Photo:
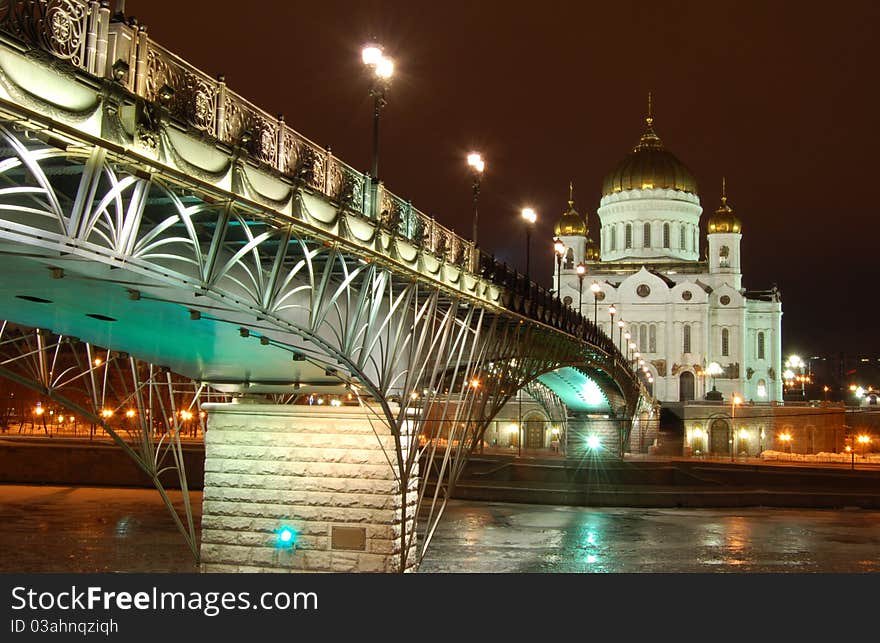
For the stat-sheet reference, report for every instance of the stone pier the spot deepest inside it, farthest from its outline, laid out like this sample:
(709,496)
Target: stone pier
(325,473)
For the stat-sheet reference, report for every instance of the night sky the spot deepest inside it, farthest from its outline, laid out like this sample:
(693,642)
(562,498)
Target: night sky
(779,97)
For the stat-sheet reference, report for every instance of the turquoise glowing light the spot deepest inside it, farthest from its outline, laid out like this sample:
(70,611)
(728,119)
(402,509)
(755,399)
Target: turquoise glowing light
(593,442)
(286,538)
(592,394)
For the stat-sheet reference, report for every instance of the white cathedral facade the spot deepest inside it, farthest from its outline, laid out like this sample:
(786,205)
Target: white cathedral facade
(688,316)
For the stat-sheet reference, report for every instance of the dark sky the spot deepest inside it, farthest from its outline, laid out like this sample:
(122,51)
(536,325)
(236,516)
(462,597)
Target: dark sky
(780,97)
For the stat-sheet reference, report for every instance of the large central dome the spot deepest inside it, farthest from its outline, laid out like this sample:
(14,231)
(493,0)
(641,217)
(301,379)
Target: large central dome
(649,166)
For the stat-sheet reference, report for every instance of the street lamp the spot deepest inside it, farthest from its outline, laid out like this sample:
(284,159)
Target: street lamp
(785,438)
(559,250)
(529,216)
(581,271)
(714,369)
(734,400)
(611,311)
(596,288)
(620,325)
(382,69)
(477,165)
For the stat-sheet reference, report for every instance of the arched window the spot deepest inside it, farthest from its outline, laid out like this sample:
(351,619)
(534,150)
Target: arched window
(628,236)
(761,345)
(569,259)
(652,339)
(686,348)
(725,342)
(665,235)
(646,235)
(643,337)
(694,247)
(613,239)
(762,388)
(724,256)
(683,237)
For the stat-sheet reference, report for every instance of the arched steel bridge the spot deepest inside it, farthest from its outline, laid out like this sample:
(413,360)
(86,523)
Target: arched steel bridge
(148,209)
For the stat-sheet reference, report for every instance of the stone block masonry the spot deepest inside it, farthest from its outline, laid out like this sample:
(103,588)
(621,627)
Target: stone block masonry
(328,473)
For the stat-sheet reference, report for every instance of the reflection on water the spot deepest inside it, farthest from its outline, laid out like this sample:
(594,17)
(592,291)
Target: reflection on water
(533,538)
(44,529)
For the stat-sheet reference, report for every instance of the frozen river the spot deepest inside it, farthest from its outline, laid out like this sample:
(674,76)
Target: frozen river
(60,529)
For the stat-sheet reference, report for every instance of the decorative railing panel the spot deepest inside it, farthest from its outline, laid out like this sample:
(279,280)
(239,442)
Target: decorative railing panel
(247,125)
(57,26)
(189,94)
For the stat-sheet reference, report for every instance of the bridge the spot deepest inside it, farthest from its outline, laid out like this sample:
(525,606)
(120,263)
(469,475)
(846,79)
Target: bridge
(169,248)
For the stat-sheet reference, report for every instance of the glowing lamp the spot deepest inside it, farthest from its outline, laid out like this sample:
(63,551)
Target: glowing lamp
(593,442)
(286,537)
(371,54)
(476,162)
(529,215)
(385,68)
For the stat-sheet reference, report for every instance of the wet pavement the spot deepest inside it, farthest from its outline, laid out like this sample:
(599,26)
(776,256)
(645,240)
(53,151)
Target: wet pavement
(75,529)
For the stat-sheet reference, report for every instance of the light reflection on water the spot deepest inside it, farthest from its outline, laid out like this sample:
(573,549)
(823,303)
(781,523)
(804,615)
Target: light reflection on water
(533,538)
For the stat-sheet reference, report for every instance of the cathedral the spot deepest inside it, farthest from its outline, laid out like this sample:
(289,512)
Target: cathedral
(687,321)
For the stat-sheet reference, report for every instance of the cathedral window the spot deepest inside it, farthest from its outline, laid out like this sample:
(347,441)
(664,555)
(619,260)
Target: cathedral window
(569,259)
(686,347)
(646,235)
(694,239)
(761,345)
(643,337)
(683,237)
(762,388)
(652,339)
(628,236)
(724,257)
(725,342)
(613,238)
(666,235)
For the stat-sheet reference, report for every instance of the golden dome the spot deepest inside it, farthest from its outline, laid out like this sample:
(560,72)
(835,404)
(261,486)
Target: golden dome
(724,220)
(649,166)
(571,224)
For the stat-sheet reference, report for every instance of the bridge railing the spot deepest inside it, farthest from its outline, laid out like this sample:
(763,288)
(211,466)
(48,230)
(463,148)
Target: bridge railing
(81,32)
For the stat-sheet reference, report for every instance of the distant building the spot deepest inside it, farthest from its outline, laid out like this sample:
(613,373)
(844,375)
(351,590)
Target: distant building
(683,312)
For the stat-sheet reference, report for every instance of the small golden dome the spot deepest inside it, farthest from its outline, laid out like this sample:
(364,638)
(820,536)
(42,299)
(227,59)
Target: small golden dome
(724,220)
(649,166)
(571,224)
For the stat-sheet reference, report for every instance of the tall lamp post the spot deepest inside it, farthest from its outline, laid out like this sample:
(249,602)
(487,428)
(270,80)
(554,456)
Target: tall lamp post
(620,325)
(477,165)
(581,271)
(382,69)
(529,216)
(559,250)
(734,400)
(611,312)
(596,289)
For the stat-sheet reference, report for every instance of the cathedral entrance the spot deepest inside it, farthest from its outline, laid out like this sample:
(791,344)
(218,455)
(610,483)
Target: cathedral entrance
(686,386)
(719,437)
(534,434)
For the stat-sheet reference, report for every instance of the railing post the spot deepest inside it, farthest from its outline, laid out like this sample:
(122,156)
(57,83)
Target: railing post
(92,19)
(279,145)
(102,41)
(140,77)
(327,171)
(221,107)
